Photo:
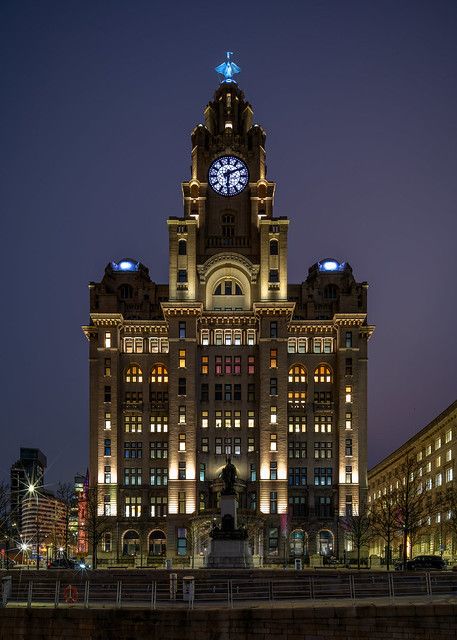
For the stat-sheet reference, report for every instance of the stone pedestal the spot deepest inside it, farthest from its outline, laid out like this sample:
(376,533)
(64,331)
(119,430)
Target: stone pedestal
(229,554)
(228,507)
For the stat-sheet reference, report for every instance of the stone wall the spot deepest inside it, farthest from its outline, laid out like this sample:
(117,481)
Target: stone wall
(363,622)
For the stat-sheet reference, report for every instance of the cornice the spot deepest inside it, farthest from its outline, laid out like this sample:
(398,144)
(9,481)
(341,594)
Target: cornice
(311,326)
(281,308)
(107,319)
(217,318)
(349,319)
(181,308)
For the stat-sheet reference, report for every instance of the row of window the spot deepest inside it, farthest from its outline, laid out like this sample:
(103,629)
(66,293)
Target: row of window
(158,423)
(438,443)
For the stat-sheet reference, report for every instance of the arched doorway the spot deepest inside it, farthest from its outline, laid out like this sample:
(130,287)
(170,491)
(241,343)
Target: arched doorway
(298,543)
(131,543)
(157,543)
(325,542)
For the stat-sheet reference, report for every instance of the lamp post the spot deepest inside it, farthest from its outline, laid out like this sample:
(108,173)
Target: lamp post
(32,492)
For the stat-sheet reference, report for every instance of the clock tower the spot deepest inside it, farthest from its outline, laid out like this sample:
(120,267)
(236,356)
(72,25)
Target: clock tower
(227,359)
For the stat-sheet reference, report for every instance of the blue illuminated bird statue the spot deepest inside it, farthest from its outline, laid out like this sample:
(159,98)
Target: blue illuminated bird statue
(228,69)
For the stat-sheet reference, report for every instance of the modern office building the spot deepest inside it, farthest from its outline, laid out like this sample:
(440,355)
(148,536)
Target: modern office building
(431,453)
(27,472)
(227,359)
(43,524)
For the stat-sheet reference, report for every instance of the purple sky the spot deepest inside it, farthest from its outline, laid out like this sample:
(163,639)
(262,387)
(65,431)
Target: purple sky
(98,99)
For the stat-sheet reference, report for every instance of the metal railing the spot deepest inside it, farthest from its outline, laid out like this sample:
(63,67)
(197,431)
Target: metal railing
(190,591)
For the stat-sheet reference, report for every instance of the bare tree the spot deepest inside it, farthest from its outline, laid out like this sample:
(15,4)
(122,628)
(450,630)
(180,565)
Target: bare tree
(384,521)
(412,505)
(359,530)
(5,528)
(255,525)
(448,502)
(96,524)
(198,529)
(66,493)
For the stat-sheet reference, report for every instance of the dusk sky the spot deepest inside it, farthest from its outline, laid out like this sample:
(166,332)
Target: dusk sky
(98,100)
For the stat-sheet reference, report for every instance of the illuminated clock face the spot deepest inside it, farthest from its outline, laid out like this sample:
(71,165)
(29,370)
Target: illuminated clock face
(228,175)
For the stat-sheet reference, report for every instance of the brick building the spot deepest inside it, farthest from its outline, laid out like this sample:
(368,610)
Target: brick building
(228,358)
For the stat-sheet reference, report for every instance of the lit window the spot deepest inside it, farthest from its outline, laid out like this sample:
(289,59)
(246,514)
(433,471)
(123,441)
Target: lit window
(328,345)
(159,506)
(158,423)
(297,374)
(252,473)
(159,374)
(205,420)
(134,374)
(132,506)
(182,358)
(273,358)
(251,365)
(348,340)
(107,369)
(228,419)
(107,340)
(449,474)
(273,415)
(204,365)
(133,424)
(419,456)
(273,470)
(297,424)
(107,420)
(322,424)
(322,374)
(204,337)
(348,420)
(205,445)
(438,479)
(181,470)
(227,338)
(348,392)
(132,476)
(428,450)
(348,474)
(106,505)
(273,442)
(237,419)
(182,442)
(296,399)
(237,337)
(237,365)
(437,443)
(251,419)
(438,461)
(202,474)
(250,445)
(448,455)
(107,474)
(448,435)
(237,446)
(428,467)
(218,419)
(182,414)
(251,337)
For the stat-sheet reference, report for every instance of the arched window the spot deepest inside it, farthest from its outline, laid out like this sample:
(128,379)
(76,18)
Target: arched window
(228,225)
(125,291)
(159,374)
(297,373)
(331,292)
(323,373)
(228,288)
(274,247)
(134,374)
(131,543)
(182,248)
(157,543)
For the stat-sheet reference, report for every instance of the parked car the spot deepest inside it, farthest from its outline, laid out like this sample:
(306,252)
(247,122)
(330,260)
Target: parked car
(426,563)
(66,563)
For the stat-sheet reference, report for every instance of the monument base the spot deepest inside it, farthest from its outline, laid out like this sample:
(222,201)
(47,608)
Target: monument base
(229,554)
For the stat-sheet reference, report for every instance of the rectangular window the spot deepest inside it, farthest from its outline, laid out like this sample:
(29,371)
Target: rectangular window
(348,392)
(328,345)
(228,365)
(182,414)
(182,442)
(218,365)
(237,419)
(438,479)
(428,450)
(204,337)
(251,445)
(448,455)
(251,392)
(273,358)
(133,450)
(237,446)
(107,368)
(297,449)
(237,392)
(106,505)
(237,337)
(317,345)
(348,474)
(107,395)
(202,474)
(205,445)
(107,420)
(348,447)
(228,419)
(273,329)
(182,470)
(182,359)
(448,437)
(218,392)
(107,340)
(323,449)
(237,365)
(297,424)
(297,476)
(273,442)
(252,501)
(449,474)
(348,505)
(158,477)
(251,419)
(218,446)
(182,387)
(252,473)
(227,338)
(273,415)
(348,340)
(107,447)
(107,474)
(437,443)
(228,446)
(218,419)
(204,392)
(132,476)
(205,419)
(348,420)
(182,276)
(133,424)
(251,337)
(323,476)
(132,506)
(251,365)
(273,470)
(158,423)
(159,506)
(181,504)
(348,369)
(273,386)
(158,450)
(182,323)
(322,424)
(273,276)
(227,392)
(273,502)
